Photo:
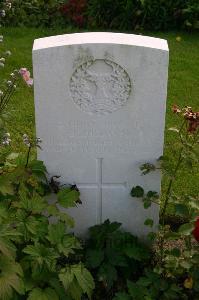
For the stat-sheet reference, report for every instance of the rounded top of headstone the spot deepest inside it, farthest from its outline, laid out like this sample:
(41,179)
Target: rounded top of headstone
(100,38)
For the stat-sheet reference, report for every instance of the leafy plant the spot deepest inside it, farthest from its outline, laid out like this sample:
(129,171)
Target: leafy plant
(114,255)
(151,286)
(172,261)
(34,13)
(143,14)
(37,255)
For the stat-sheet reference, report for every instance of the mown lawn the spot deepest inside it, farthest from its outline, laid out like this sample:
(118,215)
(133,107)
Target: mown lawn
(183,88)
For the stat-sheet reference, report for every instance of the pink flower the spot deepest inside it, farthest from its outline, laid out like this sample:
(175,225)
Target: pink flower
(26,76)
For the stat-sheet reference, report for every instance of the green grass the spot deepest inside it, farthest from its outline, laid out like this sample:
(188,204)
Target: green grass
(183,88)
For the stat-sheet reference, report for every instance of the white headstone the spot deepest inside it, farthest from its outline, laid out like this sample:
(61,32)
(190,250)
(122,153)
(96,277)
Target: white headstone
(100,110)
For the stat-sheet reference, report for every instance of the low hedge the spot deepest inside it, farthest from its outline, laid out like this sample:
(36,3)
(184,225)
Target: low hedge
(117,14)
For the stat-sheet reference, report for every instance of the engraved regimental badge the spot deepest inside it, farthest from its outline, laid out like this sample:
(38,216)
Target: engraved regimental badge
(100,86)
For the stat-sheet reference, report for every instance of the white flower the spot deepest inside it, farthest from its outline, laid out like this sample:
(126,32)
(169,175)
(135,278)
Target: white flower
(2,13)
(9,82)
(2,59)
(6,139)
(38,140)
(26,140)
(2,65)
(8,53)
(8,4)
(1,93)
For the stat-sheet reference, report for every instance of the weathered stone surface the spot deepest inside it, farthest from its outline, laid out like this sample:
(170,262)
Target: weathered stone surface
(100,109)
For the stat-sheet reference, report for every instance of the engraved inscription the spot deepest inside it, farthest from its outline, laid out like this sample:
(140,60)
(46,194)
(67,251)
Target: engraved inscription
(100,86)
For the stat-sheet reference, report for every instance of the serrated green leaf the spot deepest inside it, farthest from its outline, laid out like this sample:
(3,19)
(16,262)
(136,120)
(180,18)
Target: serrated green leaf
(67,219)
(66,276)
(11,278)
(122,296)
(137,252)
(137,192)
(149,222)
(152,194)
(52,210)
(6,187)
(68,197)
(186,229)
(69,244)
(84,278)
(12,156)
(147,203)
(43,294)
(56,233)
(194,204)
(108,274)
(181,209)
(57,286)
(175,252)
(144,281)
(94,257)
(151,236)
(135,291)
(38,168)
(77,280)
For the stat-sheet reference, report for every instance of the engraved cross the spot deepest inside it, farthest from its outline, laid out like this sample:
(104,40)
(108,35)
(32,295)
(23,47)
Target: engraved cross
(99,185)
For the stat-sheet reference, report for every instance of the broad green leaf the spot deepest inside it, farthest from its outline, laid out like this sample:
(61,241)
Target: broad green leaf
(108,274)
(67,219)
(151,236)
(59,289)
(68,197)
(147,203)
(69,244)
(43,294)
(115,257)
(144,281)
(137,252)
(94,257)
(175,252)
(34,204)
(6,187)
(181,209)
(41,255)
(10,279)
(56,233)
(52,210)
(12,156)
(185,264)
(194,204)
(75,290)
(149,222)
(77,280)
(152,194)
(186,229)
(66,276)
(84,279)
(38,168)
(137,192)
(122,296)
(135,290)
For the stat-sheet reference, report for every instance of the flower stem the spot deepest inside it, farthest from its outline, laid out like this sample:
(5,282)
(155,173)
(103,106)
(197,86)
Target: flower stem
(28,156)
